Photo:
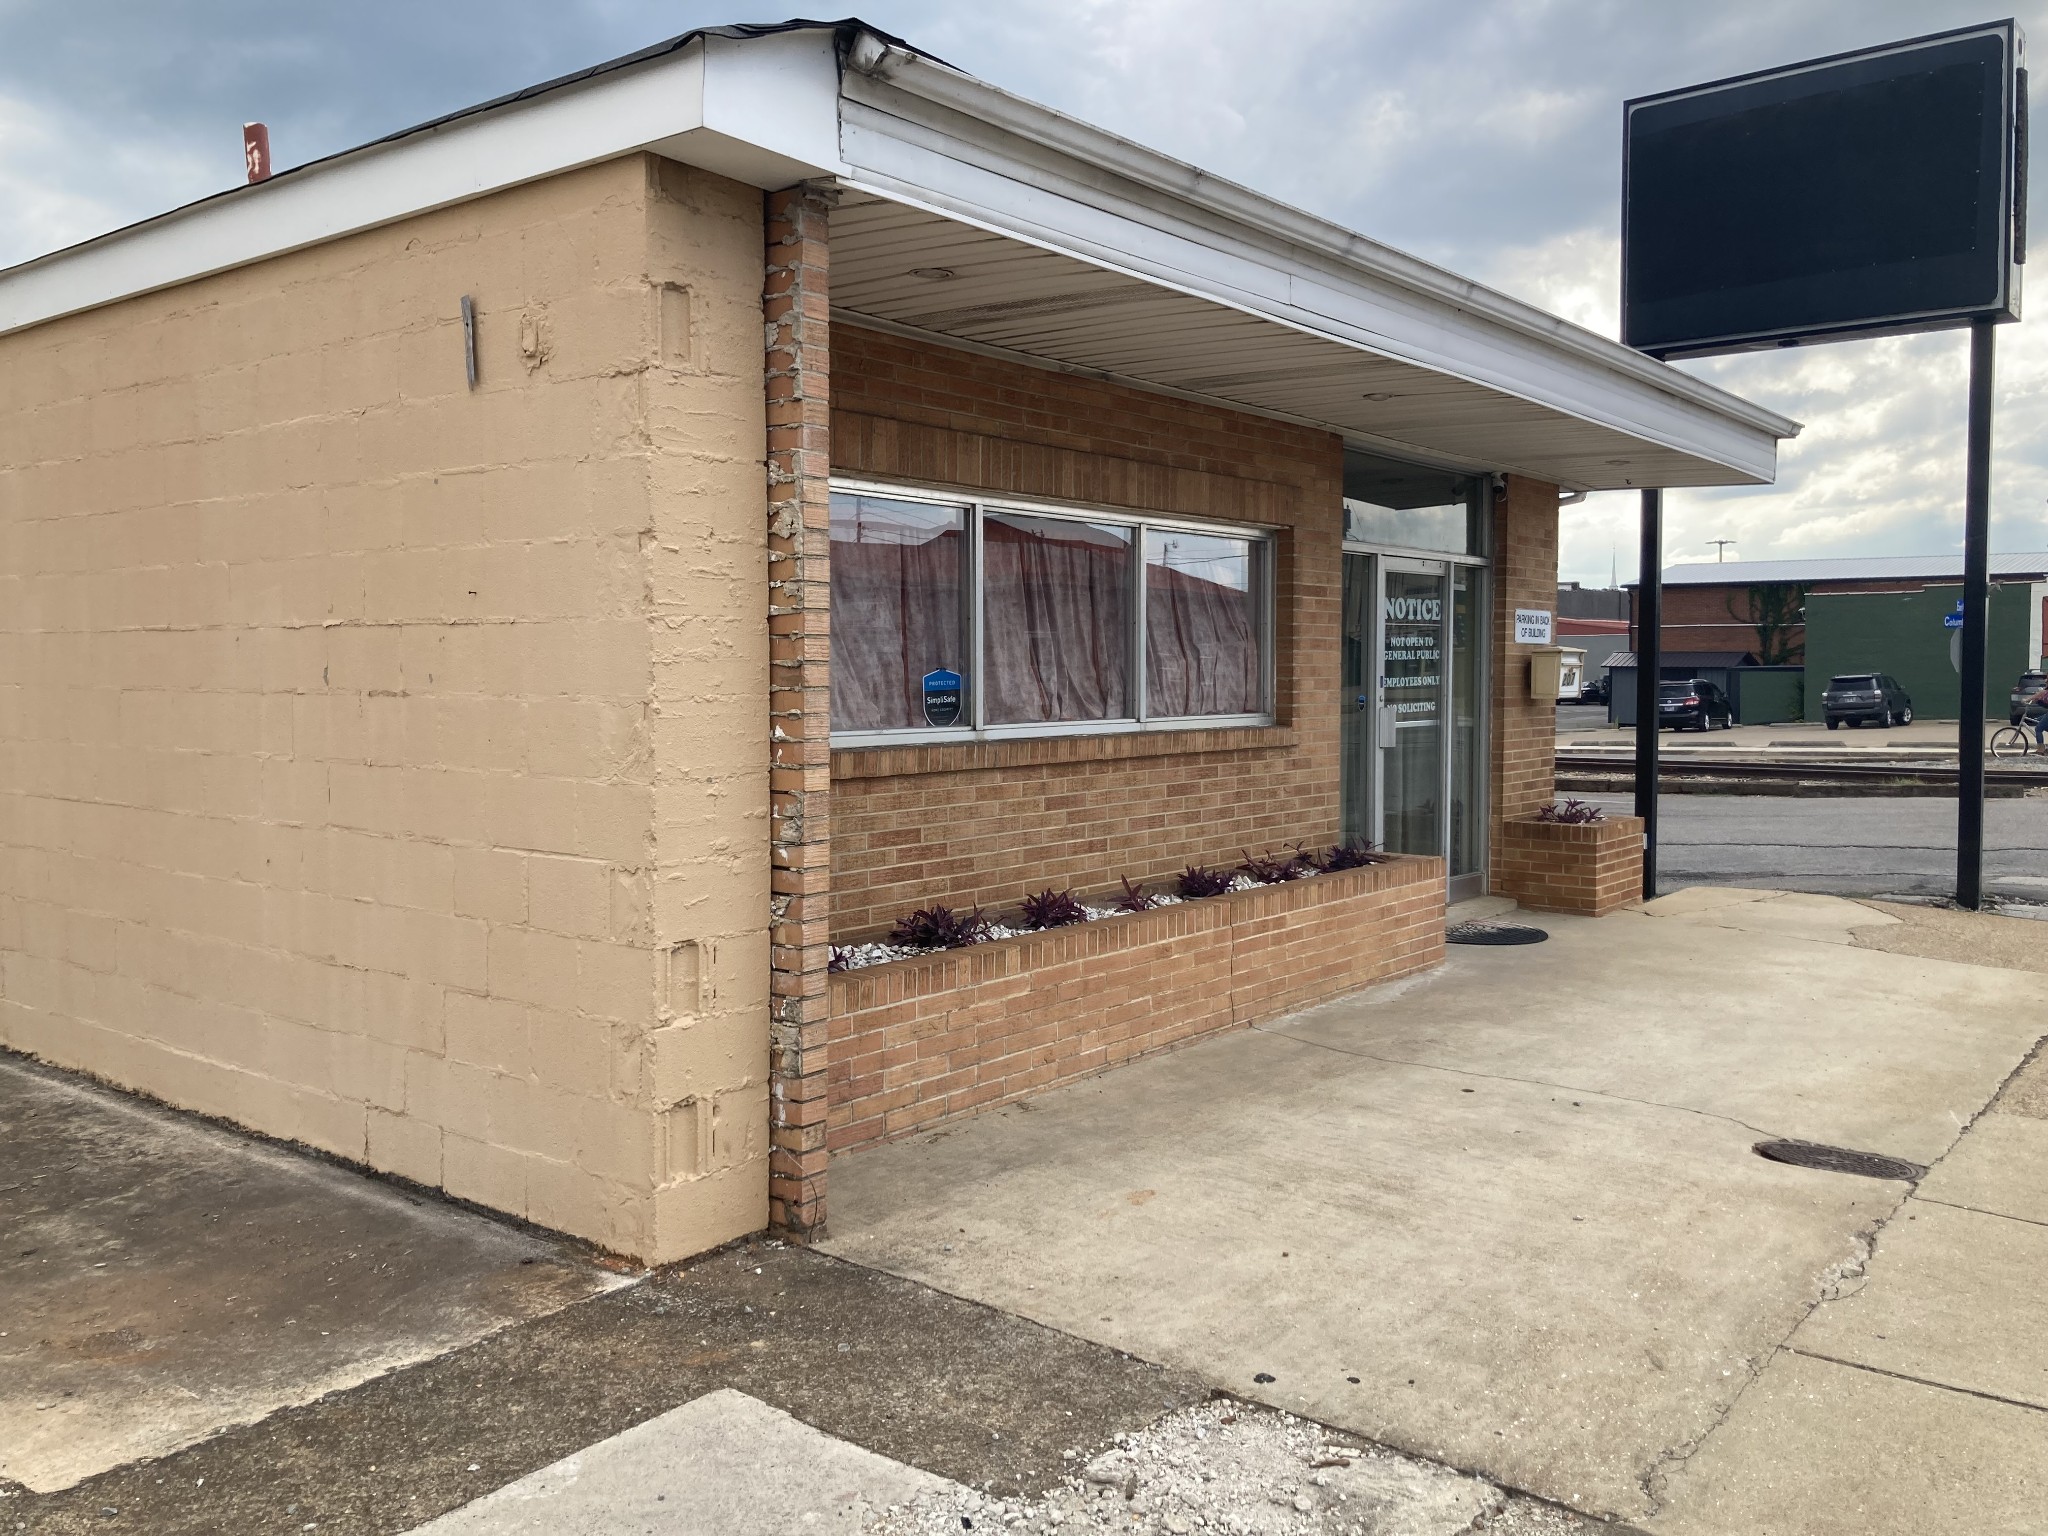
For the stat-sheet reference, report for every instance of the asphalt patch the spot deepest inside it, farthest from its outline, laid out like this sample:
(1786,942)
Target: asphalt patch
(912,1373)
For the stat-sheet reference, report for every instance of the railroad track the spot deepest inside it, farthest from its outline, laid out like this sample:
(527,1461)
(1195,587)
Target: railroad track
(1593,770)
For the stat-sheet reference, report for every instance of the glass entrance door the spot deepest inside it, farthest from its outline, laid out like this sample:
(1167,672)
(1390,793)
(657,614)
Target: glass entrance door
(1411,712)
(1411,728)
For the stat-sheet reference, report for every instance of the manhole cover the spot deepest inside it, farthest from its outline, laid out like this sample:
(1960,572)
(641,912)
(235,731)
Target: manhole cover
(1811,1154)
(1493,933)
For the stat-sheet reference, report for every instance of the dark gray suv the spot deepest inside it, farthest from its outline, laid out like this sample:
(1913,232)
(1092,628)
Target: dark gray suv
(2023,692)
(1866,698)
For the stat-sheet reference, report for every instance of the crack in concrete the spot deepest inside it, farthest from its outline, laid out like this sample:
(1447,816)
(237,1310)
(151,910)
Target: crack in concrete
(1655,1479)
(1919,1381)
(1503,1077)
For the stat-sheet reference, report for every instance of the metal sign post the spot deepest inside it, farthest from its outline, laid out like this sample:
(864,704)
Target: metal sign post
(1649,664)
(1976,625)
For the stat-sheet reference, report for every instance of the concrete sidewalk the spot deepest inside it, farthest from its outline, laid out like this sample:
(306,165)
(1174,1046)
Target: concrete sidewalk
(1507,1216)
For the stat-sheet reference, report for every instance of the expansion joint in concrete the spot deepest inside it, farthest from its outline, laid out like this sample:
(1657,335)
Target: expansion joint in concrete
(1918,1381)
(1527,1082)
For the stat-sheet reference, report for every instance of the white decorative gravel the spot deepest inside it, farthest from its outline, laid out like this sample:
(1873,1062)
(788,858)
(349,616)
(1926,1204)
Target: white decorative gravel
(1232,1469)
(852,957)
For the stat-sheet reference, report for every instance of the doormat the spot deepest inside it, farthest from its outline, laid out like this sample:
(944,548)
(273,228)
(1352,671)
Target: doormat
(1493,933)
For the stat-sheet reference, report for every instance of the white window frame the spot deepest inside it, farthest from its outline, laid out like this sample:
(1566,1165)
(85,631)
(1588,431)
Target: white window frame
(977,508)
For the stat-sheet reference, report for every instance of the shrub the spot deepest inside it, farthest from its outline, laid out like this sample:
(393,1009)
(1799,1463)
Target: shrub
(938,927)
(1053,909)
(1135,898)
(1269,869)
(1196,882)
(1571,813)
(1355,854)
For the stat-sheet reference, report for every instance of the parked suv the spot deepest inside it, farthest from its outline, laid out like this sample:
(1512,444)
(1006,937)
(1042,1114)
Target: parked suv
(1693,704)
(2030,683)
(1858,697)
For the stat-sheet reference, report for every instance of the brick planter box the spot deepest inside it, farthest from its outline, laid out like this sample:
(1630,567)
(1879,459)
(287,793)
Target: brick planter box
(1591,869)
(914,1042)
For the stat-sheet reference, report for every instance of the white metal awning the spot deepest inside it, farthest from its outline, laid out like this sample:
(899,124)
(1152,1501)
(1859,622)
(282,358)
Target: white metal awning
(1066,246)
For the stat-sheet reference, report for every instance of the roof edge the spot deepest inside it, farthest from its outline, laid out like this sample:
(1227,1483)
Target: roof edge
(943,85)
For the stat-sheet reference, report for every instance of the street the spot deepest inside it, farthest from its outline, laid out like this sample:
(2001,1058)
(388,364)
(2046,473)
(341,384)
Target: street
(1880,846)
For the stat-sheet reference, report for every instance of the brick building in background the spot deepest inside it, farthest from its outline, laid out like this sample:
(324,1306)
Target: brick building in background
(482,616)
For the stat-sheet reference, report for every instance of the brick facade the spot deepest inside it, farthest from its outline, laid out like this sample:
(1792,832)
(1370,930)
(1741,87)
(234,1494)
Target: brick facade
(1590,869)
(1522,746)
(797,375)
(918,1042)
(987,823)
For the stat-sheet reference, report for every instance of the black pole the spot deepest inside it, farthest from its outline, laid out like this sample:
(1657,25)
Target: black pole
(1976,614)
(1649,663)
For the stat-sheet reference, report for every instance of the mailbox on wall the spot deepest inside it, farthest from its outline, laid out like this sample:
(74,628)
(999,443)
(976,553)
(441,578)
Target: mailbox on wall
(1546,673)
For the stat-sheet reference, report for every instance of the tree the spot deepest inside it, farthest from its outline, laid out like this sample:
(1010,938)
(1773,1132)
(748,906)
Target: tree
(1776,609)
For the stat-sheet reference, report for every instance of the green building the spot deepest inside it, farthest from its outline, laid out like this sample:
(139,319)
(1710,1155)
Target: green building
(1907,635)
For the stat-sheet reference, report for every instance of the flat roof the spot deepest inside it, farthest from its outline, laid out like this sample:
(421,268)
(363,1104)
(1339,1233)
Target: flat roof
(1077,249)
(2022,565)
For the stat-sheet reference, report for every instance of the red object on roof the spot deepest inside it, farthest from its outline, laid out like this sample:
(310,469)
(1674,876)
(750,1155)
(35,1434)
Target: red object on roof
(256,151)
(1568,626)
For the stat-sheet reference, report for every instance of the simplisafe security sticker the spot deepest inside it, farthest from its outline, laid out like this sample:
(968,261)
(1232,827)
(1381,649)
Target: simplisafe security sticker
(942,697)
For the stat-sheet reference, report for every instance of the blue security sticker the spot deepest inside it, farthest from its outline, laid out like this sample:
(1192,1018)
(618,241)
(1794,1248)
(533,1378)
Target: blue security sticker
(942,695)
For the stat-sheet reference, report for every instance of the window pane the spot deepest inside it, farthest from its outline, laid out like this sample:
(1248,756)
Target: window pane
(1202,625)
(1056,616)
(1410,506)
(898,608)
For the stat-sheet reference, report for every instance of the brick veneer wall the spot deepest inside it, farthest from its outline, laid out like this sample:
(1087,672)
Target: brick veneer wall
(797,376)
(1522,751)
(916,1042)
(986,823)
(1592,868)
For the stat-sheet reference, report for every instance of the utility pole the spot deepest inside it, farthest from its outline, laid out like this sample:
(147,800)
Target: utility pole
(1720,549)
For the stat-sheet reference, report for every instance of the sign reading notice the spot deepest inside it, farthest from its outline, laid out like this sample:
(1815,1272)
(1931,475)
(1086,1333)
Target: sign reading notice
(1532,626)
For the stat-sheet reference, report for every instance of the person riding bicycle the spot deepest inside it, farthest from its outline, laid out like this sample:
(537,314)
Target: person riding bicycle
(2035,714)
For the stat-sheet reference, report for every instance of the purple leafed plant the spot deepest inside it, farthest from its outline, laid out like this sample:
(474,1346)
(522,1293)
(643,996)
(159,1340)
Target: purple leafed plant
(1571,813)
(1355,854)
(1053,909)
(1271,869)
(1135,898)
(842,959)
(1196,882)
(938,927)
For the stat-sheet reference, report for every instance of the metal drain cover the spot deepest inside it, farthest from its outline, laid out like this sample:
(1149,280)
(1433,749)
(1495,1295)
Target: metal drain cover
(1811,1154)
(1493,933)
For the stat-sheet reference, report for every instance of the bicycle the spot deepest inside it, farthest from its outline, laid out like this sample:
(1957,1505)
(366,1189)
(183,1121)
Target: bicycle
(2012,741)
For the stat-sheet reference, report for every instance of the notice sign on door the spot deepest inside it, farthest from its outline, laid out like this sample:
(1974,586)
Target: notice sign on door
(1532,626)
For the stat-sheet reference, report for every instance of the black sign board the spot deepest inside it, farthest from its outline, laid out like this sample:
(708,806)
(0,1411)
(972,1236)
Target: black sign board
(1864,194)
(942,696)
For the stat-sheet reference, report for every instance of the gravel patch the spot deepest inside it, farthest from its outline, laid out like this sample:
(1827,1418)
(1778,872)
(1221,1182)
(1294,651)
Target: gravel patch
(1231,1468)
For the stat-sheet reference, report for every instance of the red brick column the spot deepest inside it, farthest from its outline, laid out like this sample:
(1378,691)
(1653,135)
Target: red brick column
(798,375)
(1523,749)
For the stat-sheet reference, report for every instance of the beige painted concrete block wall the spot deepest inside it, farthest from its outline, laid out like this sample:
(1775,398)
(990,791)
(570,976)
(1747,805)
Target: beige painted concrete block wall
(383,764)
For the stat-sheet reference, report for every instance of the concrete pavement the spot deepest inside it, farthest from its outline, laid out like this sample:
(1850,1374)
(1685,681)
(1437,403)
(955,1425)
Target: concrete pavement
(164,1279)
(1917,1398)
(1505,1216)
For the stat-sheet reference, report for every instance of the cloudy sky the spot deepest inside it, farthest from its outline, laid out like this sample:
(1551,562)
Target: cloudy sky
(1481,134)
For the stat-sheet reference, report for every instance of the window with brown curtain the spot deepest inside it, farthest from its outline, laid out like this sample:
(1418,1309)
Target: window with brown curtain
(1067,621)
(899,588)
